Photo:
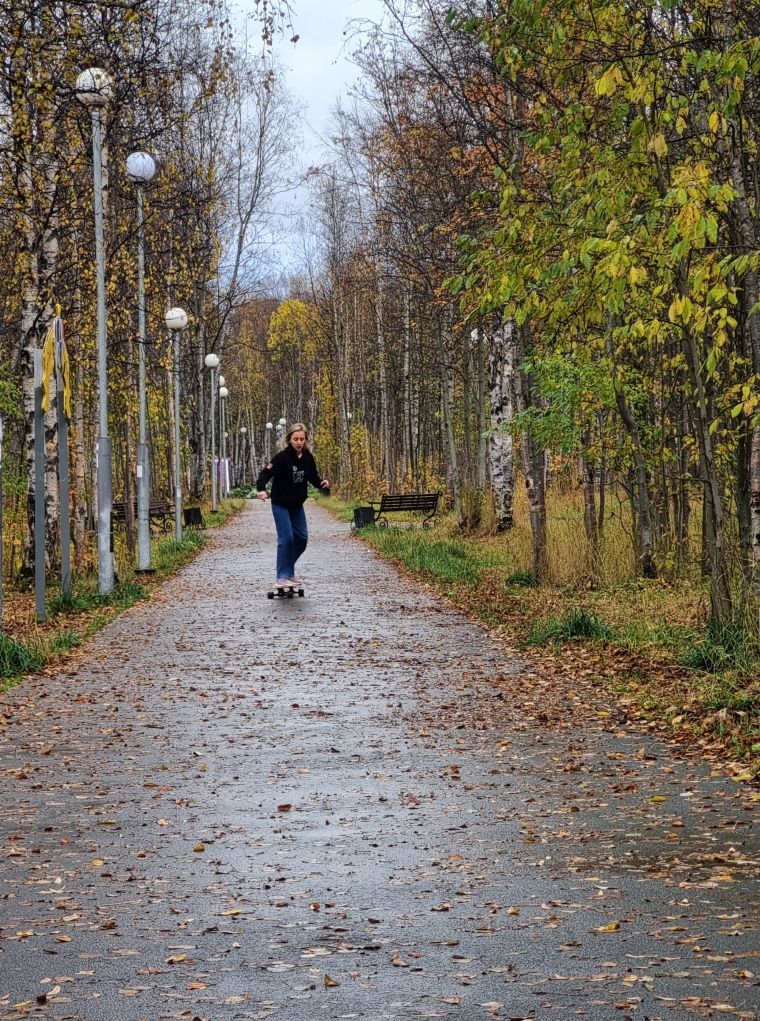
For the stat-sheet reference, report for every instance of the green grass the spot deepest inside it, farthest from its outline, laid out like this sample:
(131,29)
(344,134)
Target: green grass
(65,641)
(570,626)
(523,578)
(124,595)
(225,510)
(721,649)
(168,554)
(16,658)
(638,635)
(445,560)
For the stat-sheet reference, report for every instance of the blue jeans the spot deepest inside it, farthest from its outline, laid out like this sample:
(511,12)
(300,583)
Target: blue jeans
(292,536)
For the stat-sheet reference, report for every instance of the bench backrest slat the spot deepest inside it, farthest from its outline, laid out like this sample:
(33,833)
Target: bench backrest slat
(409,501)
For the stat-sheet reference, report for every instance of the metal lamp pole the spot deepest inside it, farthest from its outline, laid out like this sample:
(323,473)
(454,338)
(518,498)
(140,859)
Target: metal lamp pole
(94,90)
(243,431)
(212,362)
(176,321)
(268,453)
(141,168)
(221,433)
(223,395)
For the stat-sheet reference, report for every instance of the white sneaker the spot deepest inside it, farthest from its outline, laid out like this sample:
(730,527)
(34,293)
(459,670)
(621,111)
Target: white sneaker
(283,583)
(295,581)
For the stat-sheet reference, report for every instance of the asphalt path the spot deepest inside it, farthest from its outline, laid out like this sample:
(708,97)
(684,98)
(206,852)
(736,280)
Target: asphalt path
(351,806)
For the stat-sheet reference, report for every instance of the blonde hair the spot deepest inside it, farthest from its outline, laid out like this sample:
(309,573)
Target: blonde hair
(298,427)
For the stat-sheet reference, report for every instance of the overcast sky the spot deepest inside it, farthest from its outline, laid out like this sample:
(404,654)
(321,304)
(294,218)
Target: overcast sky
(318,67)
(318,73)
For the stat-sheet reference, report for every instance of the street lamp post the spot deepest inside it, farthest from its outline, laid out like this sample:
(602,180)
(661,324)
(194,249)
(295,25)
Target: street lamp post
(176,321)
(281,430)
(243,431)
(269,442)
(220,382)
(223,395)
(212,362)
(140,169)
(94,90)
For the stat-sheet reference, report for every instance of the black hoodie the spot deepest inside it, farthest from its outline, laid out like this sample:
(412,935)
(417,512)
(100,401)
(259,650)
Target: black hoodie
(289,474)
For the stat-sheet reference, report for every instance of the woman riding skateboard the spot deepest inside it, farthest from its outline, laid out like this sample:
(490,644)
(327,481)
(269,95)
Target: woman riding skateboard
(290,470)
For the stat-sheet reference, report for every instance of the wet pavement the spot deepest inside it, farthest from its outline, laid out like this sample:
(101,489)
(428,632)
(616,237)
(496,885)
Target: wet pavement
(352,806)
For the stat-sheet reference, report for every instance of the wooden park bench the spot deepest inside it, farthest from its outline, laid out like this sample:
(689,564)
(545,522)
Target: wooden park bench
(159,513)
(398,503)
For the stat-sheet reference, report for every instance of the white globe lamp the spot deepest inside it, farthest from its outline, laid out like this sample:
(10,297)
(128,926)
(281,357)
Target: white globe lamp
(94,87)
(176,319)
(141,167)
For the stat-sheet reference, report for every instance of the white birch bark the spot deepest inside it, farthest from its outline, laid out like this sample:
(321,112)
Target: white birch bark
(447,386)
(36,315)
(501,454)
(80,481)
(385,425)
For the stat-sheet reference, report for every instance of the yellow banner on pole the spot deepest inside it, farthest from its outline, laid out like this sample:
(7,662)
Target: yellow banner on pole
(48,361)
(54,352)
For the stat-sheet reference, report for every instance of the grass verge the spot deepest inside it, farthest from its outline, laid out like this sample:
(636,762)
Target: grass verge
(645,642)
(27,646)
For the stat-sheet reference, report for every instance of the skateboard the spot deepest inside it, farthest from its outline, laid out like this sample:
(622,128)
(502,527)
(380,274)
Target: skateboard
(287,591)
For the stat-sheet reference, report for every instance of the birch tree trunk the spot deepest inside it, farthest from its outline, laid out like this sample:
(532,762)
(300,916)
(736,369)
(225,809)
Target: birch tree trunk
(36,316)
(501,454)
(444,369)
(80,479)
(482,416)
(407,438)
(385,427)
(533,459)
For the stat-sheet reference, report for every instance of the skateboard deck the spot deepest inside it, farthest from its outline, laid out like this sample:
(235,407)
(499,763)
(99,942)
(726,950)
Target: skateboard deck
(286,592)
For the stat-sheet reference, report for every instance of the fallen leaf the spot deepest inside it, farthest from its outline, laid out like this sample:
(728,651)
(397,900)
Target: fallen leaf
(610,927)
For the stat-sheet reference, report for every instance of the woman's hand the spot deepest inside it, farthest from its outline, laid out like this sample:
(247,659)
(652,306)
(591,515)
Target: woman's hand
(262,495)
(325,484)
